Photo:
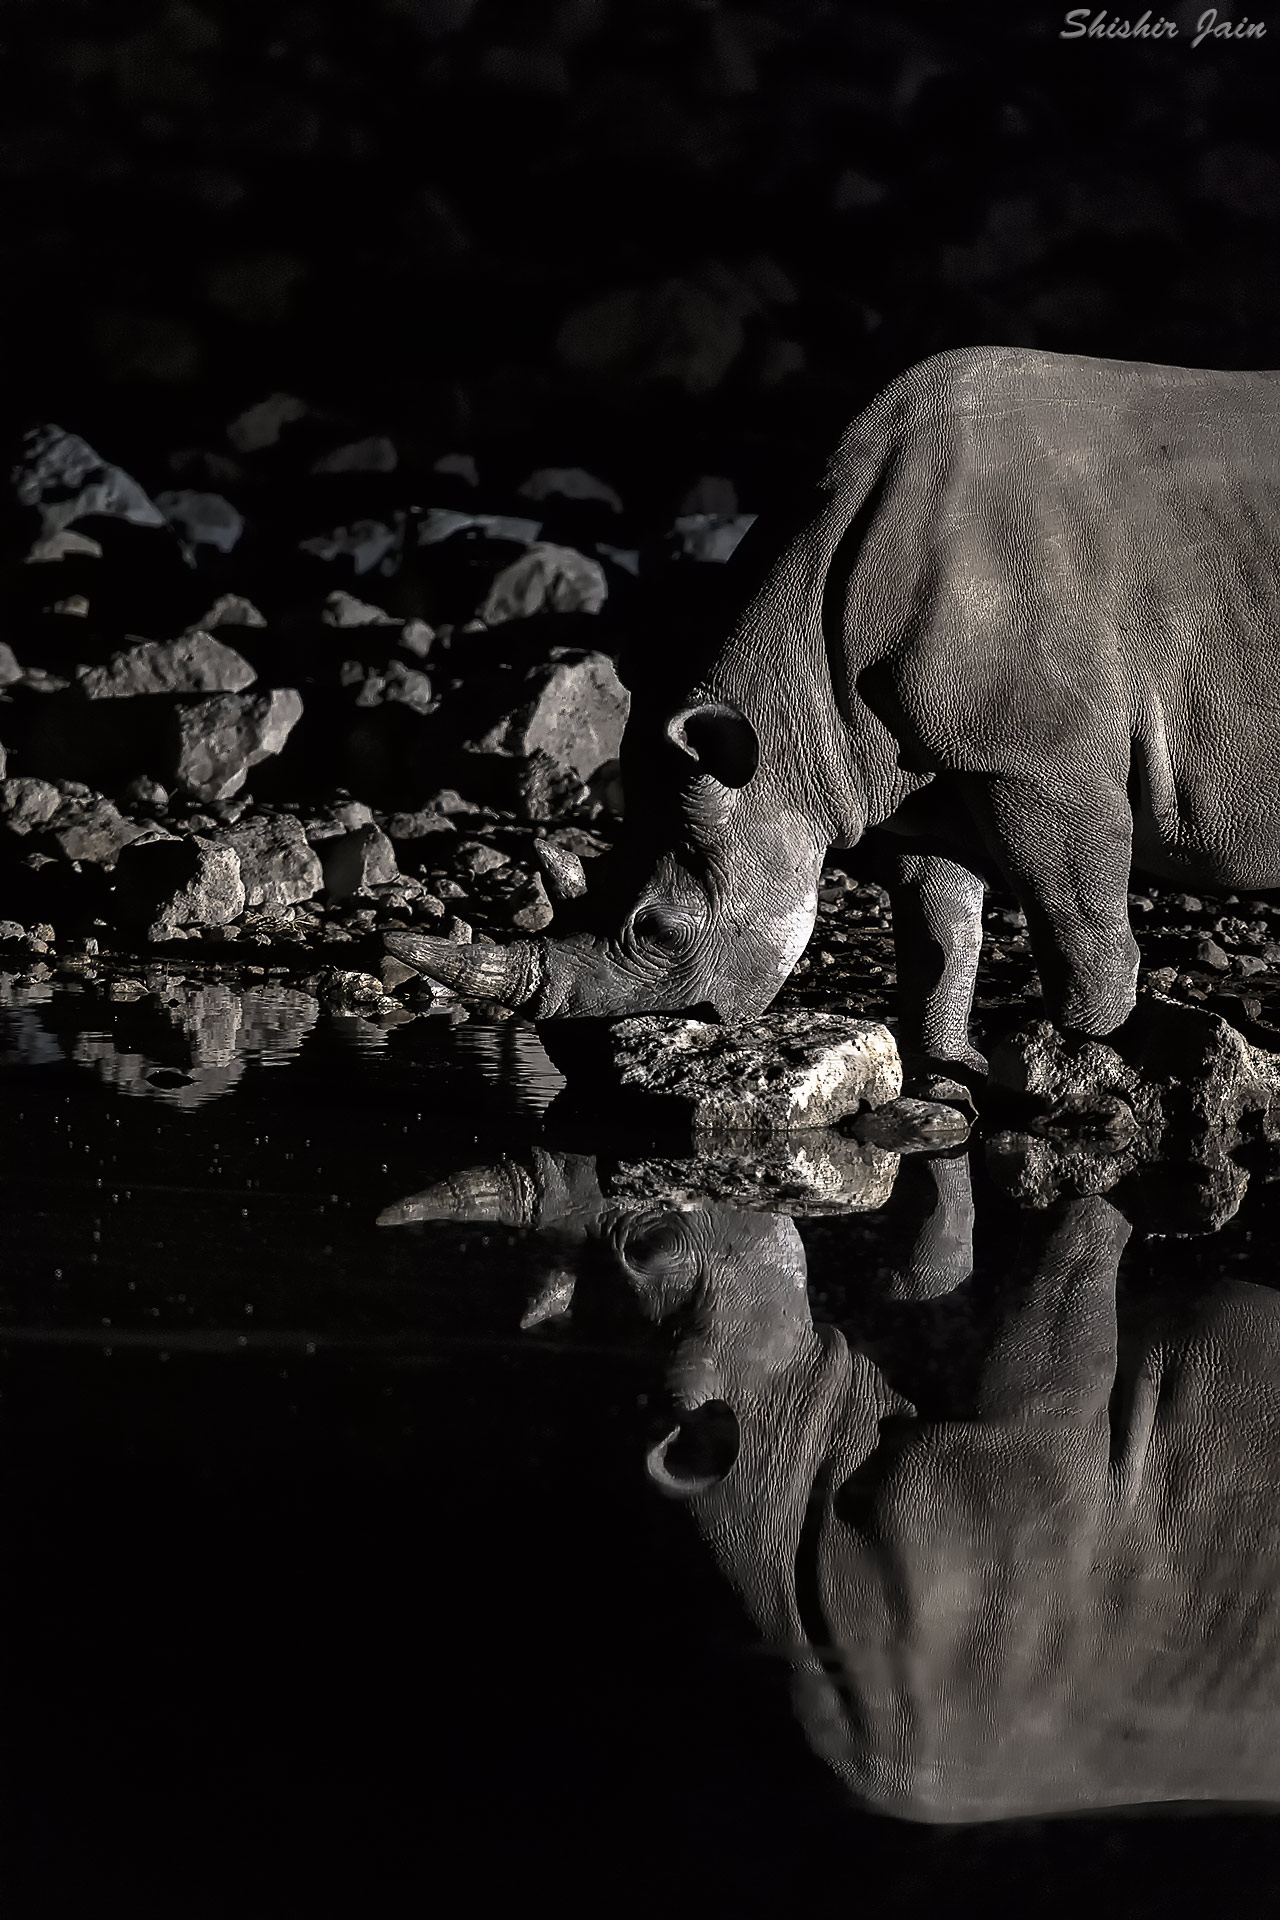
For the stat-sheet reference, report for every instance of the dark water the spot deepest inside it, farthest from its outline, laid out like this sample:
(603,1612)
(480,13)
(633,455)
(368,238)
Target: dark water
(881,1560)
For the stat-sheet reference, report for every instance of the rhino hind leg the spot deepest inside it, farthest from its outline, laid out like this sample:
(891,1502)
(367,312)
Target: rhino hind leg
(1067,854)
(937,935)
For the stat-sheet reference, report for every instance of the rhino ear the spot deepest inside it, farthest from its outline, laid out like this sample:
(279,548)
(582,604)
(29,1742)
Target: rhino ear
(721,740)
(697,1454)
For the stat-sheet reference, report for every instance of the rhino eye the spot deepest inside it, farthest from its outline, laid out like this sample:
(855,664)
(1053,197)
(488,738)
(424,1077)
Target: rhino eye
(664,927)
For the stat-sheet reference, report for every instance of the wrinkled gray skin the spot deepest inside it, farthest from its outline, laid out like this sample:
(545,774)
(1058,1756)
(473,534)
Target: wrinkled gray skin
(1027,628)
(1060,1593)
(1058,1602)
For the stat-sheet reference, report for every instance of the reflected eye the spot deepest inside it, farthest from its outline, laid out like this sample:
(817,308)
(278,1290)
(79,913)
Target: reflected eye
(658,1243)
(664,927)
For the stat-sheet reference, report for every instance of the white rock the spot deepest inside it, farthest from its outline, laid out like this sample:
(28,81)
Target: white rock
(259,426)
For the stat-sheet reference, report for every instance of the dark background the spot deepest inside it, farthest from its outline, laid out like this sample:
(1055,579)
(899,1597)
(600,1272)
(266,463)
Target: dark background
(632,233)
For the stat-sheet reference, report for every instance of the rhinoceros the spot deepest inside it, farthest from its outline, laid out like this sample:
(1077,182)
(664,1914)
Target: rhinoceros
(1009,1574)
(1025,628)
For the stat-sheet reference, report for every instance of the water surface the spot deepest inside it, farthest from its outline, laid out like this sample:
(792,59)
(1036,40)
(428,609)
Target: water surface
(566,1537)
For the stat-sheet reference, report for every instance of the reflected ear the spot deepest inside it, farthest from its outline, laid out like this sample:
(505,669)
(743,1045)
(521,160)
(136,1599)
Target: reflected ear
(721,740)
(697,1454)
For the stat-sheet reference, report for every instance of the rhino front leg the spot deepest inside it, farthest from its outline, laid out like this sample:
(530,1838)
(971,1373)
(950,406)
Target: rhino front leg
(1067,854)
(937,937)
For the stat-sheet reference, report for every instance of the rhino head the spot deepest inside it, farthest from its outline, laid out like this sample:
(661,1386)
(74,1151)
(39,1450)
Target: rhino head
(707,904)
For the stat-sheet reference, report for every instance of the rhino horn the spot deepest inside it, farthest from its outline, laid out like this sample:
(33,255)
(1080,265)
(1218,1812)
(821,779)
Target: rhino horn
(501,1196)
(510,975)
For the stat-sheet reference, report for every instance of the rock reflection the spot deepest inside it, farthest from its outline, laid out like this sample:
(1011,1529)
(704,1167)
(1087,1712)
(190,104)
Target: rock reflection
(1044,1580)
(162,1037)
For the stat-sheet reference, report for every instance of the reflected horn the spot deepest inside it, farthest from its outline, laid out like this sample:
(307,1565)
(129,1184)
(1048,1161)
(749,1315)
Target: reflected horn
(501,1195)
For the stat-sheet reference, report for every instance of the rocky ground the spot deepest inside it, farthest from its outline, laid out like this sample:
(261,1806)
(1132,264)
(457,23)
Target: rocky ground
(250,724)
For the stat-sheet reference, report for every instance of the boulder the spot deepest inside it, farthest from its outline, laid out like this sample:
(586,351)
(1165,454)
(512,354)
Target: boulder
(216,741)
(342,609)
(569,483)
(89,828)
(27,803)
(545,579)
(62,477)
(259,426)
(277,865)
(774,1075)
(572,710)
(229,610)
(393,684)
(376,454)
(913,1126)
(9,668)
(196,663)
(164,882)
(356,861)
(202,519)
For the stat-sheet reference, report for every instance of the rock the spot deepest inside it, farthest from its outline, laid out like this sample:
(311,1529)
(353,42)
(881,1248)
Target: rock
(26,803)
(344,610)
(366,543)
(1247,964)
(710,536)
(913,1126)
(9,668)
(11,932)
(573,712)
(562,871)
(394,684)
(419,826)
(1183,1071)
(90,829)
(445,523)
(146,792)
(259,426)
(356,861)
(774,1075)
(64,545)
(1210,954)
(277,865)
(545,579)
(229,610)
(62,477)
(164,882)
(461,465)
(711,494)
(416,637)
(343,988)
(534,911)
(569,483)
(395,973)
(679,330)
(376,454)
(219,739)
(197,663)
(202,519)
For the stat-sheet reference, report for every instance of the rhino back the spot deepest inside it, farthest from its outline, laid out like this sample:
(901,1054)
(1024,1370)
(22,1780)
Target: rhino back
(1049,560)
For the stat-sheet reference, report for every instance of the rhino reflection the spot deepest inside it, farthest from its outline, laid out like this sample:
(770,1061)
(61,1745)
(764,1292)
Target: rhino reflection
(1042,1583)
(1065,1595)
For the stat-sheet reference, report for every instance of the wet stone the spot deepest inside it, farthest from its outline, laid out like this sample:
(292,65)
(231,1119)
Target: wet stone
(775,1075)
(913,1126)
